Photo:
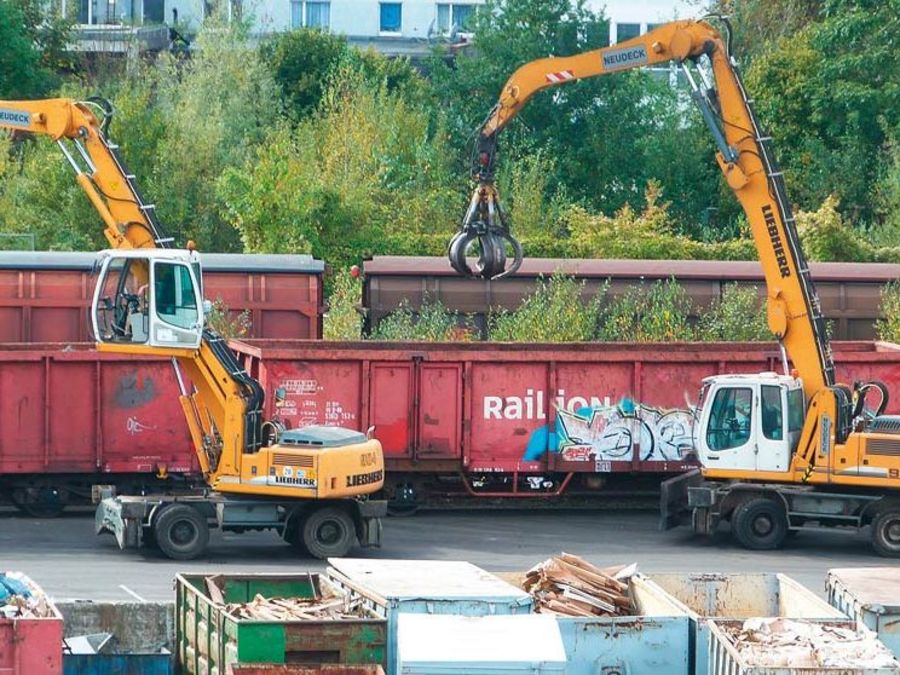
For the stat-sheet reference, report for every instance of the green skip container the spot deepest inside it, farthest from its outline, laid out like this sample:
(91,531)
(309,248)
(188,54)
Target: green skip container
(209,639)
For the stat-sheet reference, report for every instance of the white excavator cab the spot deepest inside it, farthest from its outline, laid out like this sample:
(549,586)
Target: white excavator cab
(148,297)
(750,422)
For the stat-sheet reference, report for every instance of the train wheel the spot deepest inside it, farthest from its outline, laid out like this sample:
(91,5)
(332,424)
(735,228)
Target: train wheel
(45,501)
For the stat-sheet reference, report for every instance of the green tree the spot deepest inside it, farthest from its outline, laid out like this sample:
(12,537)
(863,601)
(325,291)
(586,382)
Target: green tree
(22,71)
(830,93)
(301,62)
(368,173)
(606,136)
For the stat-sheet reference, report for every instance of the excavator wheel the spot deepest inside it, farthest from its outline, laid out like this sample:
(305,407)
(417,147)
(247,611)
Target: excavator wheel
(759,524)
(181,532)
(329,532)
(886,533)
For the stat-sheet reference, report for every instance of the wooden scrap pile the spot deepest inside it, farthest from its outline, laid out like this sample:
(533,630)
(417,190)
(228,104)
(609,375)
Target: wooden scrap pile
(326,605)
(570,586)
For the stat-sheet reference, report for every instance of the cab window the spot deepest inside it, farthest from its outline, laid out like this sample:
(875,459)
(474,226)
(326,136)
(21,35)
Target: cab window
(772,413)
(795,410)
(176,303)
(729,418)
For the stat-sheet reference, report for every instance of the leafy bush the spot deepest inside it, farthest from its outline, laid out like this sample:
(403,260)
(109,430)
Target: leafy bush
(230,325)
(342,320)
(556,312)
(658,313)
(825,235)
(888,328)
(644,235)
(738,316)
(432,323)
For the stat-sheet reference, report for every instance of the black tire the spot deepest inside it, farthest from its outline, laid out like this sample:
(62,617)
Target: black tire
(759,524)
(181,532)
(329,532)
(886,533)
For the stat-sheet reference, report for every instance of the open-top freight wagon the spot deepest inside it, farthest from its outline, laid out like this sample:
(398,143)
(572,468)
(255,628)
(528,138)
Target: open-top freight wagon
(44,297)
(850,292)
(471,420)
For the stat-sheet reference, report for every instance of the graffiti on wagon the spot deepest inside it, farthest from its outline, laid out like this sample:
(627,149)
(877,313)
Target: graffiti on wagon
(594,429)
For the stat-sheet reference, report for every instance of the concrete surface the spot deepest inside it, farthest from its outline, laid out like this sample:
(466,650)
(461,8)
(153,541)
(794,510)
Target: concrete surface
(69,561)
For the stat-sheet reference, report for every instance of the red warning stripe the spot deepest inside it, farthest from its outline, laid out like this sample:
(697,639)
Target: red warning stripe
(561,76)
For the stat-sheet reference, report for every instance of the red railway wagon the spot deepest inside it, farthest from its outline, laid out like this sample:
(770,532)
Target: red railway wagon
(44,297)
(487,420)
(850,292)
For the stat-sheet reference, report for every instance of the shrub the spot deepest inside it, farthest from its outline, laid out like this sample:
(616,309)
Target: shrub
(432,323)
(230,325)
(343,321)
(556,312)
(888,328)
(658,313)
(738,316)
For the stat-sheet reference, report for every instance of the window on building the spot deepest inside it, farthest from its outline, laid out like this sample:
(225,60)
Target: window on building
(453,15)
(318,14)
(310,14)
(626,31)
(391,17)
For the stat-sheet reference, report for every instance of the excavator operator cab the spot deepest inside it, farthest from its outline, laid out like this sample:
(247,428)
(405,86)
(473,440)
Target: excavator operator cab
(750,422)
(148,298)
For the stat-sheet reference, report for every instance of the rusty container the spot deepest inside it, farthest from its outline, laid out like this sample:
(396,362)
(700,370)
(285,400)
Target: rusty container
(32,645)
(481,413)
(733,597)
(489,408)
(44,297)
(850,292)
(210,638)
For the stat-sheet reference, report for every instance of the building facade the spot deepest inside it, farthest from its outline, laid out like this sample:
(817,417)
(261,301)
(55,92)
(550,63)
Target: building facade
(385,24)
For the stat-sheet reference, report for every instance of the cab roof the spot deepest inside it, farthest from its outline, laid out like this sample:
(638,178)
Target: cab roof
(757,378)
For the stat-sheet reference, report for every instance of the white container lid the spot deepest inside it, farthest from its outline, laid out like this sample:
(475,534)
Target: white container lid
(869,586)
(427,579)
(508,639)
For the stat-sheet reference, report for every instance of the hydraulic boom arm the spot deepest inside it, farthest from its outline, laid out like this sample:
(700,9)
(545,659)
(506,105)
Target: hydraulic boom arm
(743,155)
(79,128)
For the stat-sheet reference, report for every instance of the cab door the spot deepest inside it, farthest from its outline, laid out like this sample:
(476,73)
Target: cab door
(727,435)
(773,439)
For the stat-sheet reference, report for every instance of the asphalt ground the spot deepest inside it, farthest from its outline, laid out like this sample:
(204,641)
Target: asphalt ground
(65,556)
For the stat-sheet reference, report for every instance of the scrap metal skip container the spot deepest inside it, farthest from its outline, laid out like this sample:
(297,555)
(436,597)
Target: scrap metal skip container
(870,596)
(737,597)
(723,658)
(32,646)
(394,587)
(654,641)
(209,638)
